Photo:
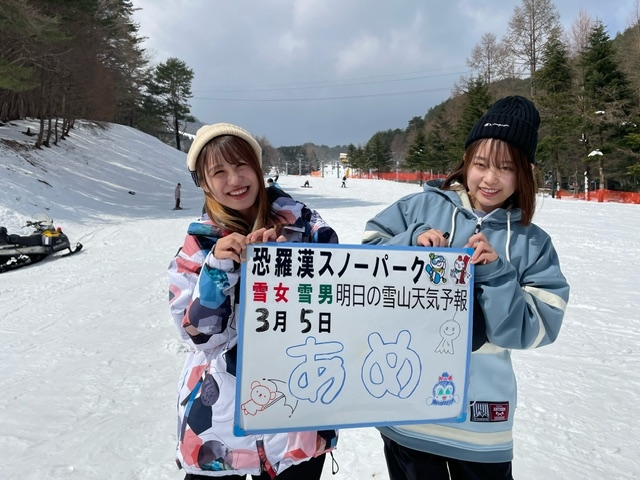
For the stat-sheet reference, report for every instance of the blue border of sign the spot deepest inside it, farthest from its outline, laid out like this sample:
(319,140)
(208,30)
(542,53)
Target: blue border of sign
(239,431)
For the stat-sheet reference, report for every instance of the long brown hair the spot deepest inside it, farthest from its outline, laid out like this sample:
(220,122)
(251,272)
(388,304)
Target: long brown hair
(231,149)
(524,196)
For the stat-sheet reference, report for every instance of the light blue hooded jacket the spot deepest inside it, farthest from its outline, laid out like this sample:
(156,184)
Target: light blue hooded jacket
(523,296)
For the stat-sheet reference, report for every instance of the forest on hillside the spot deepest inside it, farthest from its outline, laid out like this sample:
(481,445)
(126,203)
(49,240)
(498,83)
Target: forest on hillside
(585,84)
(61,60)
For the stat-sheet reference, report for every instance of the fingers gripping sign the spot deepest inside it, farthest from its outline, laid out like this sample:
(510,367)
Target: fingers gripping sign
(483,251)
(231,246)
(234,245)
(264,235)
(433,238)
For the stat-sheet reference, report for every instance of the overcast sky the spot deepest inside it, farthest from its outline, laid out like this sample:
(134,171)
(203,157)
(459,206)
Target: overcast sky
(331,72)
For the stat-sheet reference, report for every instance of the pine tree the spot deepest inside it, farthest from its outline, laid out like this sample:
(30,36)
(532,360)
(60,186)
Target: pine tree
(171,85)
(417,156)
(556,103)
(604,82)
(437,152)
(477,101)
(379,153)
(608,100)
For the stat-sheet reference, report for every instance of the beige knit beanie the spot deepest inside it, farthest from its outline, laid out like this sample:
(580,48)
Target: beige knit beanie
(209,132)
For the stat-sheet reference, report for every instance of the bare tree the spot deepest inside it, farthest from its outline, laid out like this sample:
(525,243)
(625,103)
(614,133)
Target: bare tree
(490,58)
(529,30)
(578,44)
(579,33)
(630,56)
(634,16)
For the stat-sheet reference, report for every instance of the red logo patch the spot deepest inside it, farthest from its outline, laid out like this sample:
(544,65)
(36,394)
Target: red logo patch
(489,411)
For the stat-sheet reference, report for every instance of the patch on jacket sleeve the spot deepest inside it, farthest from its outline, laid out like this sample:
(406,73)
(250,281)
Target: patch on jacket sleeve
(489,411)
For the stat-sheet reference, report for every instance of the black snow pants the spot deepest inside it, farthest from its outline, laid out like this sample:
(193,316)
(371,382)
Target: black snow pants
(406,464)
(309,470)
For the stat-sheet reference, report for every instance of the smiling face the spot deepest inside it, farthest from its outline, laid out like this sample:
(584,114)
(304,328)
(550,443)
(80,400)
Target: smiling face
(233,185)
(230,174)
(450,330)
(491,177)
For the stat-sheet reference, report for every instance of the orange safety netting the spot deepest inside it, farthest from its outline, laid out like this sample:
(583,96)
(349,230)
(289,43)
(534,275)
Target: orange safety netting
(601,195)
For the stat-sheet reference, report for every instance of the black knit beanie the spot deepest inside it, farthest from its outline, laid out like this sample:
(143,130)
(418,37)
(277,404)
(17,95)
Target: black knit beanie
(512,119)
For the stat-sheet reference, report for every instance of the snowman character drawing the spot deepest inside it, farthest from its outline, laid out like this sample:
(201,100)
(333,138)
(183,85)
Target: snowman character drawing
(436,268)
(459,271)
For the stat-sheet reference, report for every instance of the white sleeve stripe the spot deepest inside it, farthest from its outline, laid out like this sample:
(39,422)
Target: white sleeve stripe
(546,296)
(542,331)
(490,349)
(371,234)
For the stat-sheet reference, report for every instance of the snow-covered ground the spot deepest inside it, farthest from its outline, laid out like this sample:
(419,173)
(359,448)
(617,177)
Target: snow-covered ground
(89,357)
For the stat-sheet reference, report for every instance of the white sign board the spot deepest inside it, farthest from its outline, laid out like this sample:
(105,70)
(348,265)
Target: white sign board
(338,336)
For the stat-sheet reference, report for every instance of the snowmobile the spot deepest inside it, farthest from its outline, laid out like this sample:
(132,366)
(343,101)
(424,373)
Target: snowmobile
(20,250)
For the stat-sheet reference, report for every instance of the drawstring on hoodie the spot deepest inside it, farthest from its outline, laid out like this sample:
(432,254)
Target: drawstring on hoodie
(453,225)
(508,235)
(478,228)
(479,221)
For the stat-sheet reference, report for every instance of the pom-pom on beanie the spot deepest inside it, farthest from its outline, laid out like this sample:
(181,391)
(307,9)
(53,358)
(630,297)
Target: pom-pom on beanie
(513,119)
(209,132)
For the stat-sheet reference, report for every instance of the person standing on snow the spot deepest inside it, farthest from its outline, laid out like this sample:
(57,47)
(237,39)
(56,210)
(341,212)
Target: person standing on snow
(520,294)
(176,196)
(226,162)
(344,182)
